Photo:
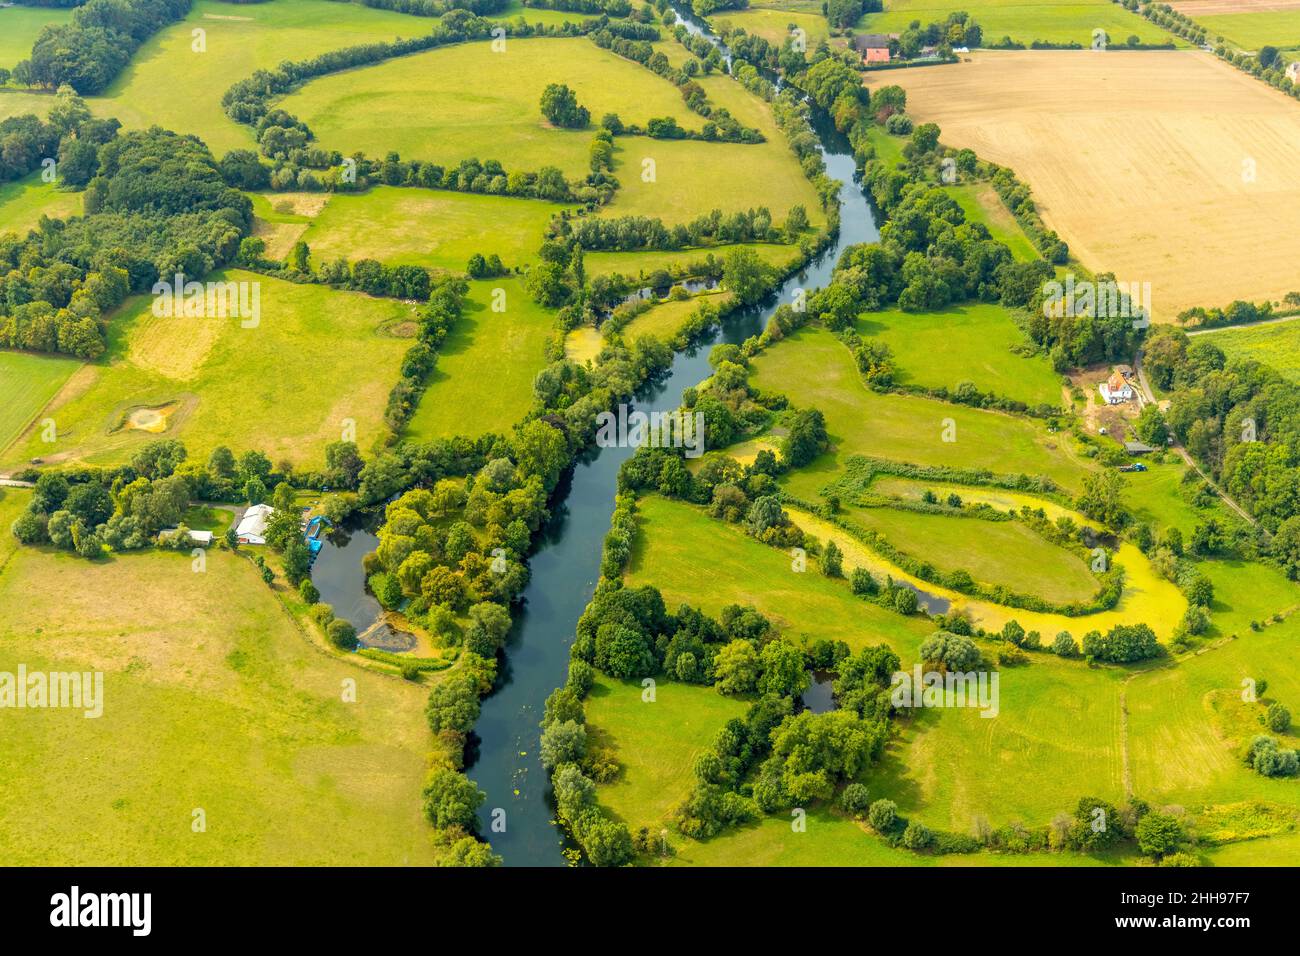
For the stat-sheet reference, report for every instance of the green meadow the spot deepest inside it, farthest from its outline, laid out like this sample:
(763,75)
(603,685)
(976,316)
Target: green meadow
(1155,496)
(814,369)
(677,180)
(773,23)
(1055,738)
(655,742)
(436,229)
(665,319)
(674,538)
(170,84)
(19,28)
(1276,344)
(28,382)
(1146,596)
(1254,29)
(24,201)
(1063,21)
(1189,724)
(982,204)
(487,103)
(964,343)
(484,378)
(316,359)
(995,553)
(216,708)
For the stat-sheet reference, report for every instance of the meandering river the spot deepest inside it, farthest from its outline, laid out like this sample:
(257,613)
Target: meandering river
(566,565)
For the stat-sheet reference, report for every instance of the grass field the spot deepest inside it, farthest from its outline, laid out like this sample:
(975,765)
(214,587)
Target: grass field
(1055,739)
(170,84)
(1276,345)
(1146,596)
(19,27)
(994,552)
(1156,166)
(982,204)
(24,201)
(1188,722)
(1249,24)
(286,387)
(773,23)
(966,343)
(1054,21)
(27,383)
(664,319)
(656,742)
(675,538)
(1155,497)
(691,178)
(488,103)
(815,370)
(212,701)
(16,103)
(484,378)
(425,227)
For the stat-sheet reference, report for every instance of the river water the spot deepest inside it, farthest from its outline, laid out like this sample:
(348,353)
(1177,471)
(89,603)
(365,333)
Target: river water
(566,566)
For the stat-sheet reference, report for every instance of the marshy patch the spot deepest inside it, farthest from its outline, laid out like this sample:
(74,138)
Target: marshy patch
(152,419)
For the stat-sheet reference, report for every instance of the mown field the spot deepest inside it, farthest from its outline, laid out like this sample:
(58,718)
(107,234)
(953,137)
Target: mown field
(773,23)
(484,378)
(24,201)
(170,84)
(665,318)
(672,539)
(1146,596)
(317,358)
(1053,21)
(994,552)
(439,230)
(965,343)
(815,370)
(19,28)
(488,103)
(18,103)
(28,382)
(1248,29)
(212,701)
(655,741)
(678,180)
(1157,166)
(1276,345)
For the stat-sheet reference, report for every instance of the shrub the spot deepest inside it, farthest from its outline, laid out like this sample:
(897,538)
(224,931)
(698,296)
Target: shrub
(855,798)
(883,816)
(1277,718)
(917,836)
(341,634)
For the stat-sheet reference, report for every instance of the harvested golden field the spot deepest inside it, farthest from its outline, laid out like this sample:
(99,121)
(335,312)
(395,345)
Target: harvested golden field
(1164,167)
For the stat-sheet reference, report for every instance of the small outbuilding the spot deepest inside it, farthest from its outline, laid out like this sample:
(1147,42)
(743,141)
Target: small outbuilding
(1138,448)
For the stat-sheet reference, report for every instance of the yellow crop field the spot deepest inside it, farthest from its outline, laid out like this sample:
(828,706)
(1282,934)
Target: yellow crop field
(1164,167)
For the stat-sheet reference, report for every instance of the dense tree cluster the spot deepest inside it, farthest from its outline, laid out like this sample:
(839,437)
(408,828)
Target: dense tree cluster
(634,233)
(1240,419)
(89,52)
(157,206)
